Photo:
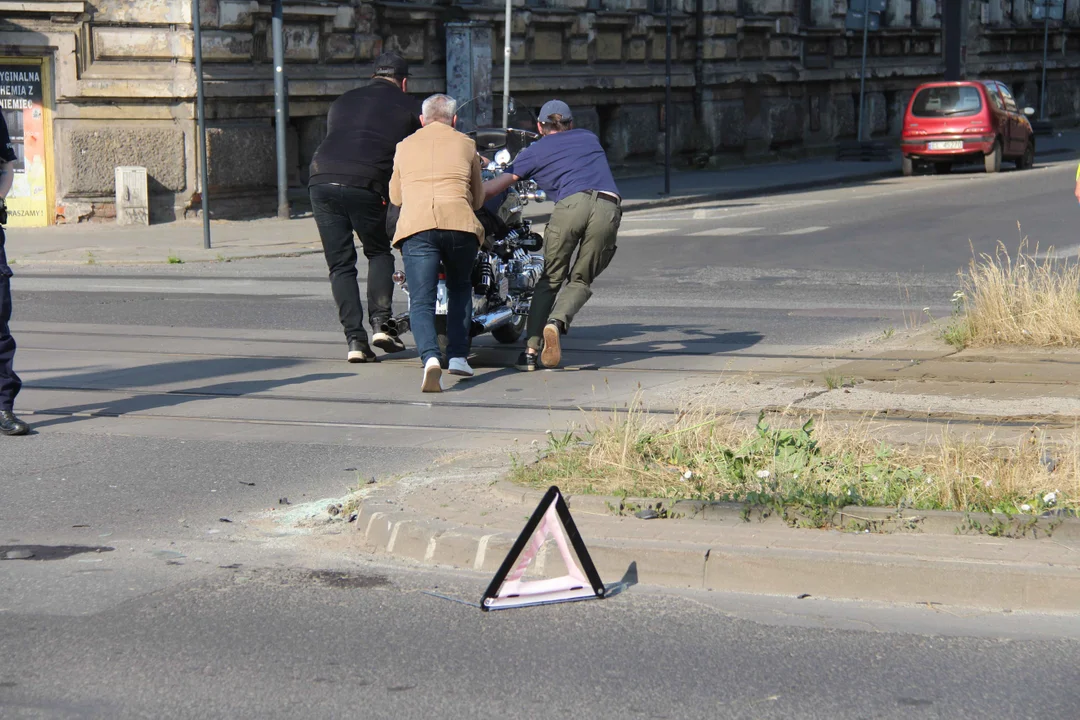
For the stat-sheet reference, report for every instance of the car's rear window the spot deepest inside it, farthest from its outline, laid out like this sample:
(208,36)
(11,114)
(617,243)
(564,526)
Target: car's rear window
(946,101)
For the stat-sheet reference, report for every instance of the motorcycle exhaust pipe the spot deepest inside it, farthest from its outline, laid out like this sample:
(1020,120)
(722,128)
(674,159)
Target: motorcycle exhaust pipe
(489,321)
(396,326)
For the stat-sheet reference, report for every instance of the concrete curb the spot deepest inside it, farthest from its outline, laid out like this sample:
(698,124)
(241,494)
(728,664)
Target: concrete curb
(876,519)
(747,566)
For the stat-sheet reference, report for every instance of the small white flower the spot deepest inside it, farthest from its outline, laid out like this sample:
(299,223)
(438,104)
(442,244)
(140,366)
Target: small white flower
(873,478)
(926,310)
(958,296)
(1050,498)
(687,475)
(762,474)
(795,476)
(1025,507)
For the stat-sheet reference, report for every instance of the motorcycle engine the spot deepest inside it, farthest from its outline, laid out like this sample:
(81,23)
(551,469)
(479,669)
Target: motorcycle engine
(523,271)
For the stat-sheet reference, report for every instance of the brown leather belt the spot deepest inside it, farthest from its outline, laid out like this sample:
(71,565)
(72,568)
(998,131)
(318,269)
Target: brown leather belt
(604,195)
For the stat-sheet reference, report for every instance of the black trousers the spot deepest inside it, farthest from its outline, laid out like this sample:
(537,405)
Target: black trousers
(339,212)
(9,381)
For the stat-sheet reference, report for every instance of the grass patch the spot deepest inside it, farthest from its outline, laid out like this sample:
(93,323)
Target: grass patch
(808,465)
(1017,300)
(174,260)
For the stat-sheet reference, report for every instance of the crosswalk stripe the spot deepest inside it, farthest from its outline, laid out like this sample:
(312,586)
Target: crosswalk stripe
(723,231)
(806,230)
(637,232)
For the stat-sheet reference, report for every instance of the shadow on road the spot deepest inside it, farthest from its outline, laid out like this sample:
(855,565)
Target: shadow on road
(184,371)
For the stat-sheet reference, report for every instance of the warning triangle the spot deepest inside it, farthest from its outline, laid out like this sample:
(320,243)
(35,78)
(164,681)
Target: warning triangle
(550,519)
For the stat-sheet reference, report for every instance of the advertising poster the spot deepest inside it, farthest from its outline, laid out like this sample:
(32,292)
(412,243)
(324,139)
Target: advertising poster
(21,101)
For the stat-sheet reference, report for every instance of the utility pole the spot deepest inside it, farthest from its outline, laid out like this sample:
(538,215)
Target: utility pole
(200,121)
(280,116)
(862,71)
(1046,47)
(953,19)
(667,104)
(506,67)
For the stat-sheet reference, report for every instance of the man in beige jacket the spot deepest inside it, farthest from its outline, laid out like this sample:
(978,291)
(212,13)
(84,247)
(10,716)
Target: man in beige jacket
(437,184)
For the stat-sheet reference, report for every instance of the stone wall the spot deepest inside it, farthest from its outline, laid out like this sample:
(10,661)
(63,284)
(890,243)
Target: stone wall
(751,78)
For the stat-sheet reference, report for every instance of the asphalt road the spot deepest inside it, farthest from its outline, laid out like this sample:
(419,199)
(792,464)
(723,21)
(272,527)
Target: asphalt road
(173,405)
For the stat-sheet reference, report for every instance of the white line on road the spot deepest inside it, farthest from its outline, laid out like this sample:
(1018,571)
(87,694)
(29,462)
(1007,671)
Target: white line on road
(636,232)
(725,231)
(806,230)
(1060,254)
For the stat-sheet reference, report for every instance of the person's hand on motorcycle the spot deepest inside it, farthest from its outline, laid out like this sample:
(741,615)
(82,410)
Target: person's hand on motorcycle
(499,184)
(1075,192)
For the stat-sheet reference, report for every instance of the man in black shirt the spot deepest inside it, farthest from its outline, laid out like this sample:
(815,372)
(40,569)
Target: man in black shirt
(349,185)
(9,381)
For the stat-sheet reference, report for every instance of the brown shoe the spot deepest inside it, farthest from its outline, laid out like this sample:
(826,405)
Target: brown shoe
(551,355)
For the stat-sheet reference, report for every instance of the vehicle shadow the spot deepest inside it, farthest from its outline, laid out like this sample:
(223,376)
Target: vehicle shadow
(610,346)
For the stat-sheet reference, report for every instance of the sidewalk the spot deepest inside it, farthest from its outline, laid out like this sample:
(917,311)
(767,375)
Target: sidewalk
(106,243)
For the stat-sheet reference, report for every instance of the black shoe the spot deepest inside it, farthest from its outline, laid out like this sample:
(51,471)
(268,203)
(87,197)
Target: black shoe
(11,425)
(386,342)
(526,362)
(361,352)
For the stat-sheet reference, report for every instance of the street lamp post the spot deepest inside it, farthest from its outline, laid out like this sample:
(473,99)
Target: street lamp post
(506,67)
(200,120)
(667,102)
(279,109)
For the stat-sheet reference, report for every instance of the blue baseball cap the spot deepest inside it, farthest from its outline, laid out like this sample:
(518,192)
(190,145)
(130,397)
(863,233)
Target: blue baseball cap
(555,107)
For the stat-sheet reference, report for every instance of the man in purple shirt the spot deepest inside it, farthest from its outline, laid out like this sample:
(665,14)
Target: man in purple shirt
(571,167)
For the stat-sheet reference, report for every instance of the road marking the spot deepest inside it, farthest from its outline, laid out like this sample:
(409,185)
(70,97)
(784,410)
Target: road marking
(1060,254)
(725,231)
(806,230)
(637,232)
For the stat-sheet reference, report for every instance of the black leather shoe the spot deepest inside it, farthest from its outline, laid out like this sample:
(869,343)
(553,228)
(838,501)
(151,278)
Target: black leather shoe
(361,352)
(11,425)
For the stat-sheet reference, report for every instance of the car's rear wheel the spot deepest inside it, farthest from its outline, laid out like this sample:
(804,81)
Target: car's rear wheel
(943,168)
(1027,160)
(907,166)
(992,160)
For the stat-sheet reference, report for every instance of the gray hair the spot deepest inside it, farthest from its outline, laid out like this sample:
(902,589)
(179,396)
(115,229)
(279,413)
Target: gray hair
(440,108)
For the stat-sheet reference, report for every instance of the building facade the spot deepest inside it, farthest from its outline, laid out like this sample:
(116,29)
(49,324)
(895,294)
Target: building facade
(87,87)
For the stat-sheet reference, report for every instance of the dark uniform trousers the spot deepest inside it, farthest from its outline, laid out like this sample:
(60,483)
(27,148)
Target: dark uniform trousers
(9,381)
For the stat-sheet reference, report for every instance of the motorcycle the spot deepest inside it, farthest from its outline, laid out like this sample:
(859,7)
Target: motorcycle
(507,269)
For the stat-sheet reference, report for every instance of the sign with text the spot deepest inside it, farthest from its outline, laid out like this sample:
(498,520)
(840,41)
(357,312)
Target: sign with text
(22,102)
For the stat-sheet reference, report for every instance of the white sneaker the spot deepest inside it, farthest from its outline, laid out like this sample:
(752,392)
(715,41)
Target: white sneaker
(432,376)
(460,366)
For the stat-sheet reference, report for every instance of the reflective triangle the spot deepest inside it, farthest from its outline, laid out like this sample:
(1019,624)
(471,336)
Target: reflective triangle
(550,520)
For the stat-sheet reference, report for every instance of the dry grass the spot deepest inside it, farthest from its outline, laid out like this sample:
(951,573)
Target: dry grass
(1021,300)
(703,455)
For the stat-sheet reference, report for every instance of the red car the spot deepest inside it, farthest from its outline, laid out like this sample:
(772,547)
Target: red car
(964,122)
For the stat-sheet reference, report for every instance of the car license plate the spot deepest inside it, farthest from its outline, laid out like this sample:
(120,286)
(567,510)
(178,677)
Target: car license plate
(947,145)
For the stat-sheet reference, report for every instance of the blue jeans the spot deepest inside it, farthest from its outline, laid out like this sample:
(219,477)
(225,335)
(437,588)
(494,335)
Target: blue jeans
(422,254)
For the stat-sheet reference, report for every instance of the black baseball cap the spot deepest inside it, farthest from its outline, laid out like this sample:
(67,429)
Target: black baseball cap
(391,65)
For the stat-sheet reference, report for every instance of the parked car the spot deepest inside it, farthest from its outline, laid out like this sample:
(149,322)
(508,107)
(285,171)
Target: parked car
(963,122)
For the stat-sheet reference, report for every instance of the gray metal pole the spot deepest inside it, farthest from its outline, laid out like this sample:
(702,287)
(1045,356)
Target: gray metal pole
(200,121)
(1046,48)
(280,118)
(862,73)
(667,104)
(506,67)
